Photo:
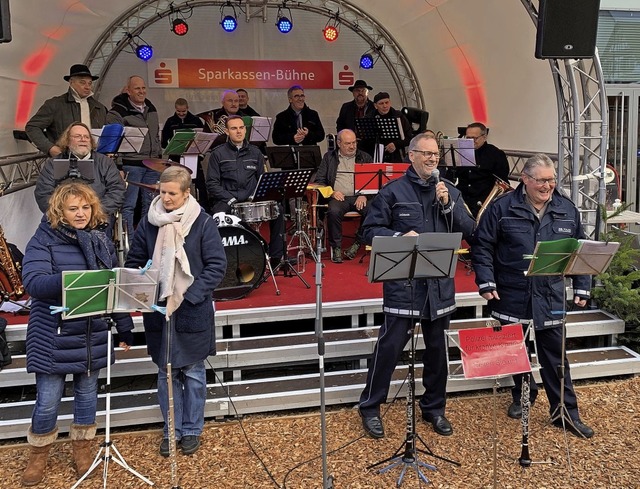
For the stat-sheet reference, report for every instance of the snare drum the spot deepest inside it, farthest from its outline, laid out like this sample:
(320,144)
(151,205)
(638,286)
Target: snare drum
(246,262)
(256,211)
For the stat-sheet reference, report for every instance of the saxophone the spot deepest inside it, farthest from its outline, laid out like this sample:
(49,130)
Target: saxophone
(10,271)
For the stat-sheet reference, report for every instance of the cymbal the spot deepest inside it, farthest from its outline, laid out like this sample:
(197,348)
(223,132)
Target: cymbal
(161,165)
(155,187)
(158,164)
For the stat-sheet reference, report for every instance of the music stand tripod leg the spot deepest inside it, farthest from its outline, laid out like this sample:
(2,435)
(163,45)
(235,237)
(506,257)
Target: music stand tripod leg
(271,272)
(108,445)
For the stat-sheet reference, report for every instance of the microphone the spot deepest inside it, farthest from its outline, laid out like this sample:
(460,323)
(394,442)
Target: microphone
(436,178)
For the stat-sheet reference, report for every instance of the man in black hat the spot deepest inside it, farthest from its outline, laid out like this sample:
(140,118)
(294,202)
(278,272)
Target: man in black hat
(57,113)
(358,108)
(392,147)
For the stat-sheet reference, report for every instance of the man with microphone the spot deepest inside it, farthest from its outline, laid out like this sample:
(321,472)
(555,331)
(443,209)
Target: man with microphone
(418,202)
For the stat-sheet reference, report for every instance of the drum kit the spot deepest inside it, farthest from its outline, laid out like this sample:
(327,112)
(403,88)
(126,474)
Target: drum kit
(246,250)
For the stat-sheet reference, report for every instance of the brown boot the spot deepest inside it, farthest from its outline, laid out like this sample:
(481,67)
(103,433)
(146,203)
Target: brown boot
(81,439)
(40,446)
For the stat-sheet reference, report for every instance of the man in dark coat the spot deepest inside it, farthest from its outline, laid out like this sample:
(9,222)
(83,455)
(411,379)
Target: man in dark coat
(507,232)
(298,124)
(55,115)
(476,182)
(410,205)
(76,141)
(393,148)
(133,109)
(358,108)
(181,119)
(244,106)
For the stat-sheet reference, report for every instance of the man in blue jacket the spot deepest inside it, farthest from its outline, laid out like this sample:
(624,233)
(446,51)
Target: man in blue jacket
(509,229)
(412,204)
(232,176)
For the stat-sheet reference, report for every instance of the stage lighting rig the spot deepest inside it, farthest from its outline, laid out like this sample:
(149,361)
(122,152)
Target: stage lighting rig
(228,21)
(368,59)
(284,23)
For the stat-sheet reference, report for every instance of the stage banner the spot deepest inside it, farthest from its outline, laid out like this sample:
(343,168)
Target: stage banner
(487,353)
(226,73)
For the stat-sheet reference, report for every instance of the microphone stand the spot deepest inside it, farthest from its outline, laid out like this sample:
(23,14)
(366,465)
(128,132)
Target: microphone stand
(327,480)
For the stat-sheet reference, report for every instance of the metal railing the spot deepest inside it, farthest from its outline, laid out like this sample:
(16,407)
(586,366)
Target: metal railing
(20,171)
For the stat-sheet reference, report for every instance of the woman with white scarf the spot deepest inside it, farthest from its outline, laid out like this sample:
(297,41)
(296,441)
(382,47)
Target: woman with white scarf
(185,247)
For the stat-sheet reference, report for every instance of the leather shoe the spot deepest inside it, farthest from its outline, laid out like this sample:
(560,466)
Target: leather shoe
(441,425)
(372,426)
(576,427)
(515,410)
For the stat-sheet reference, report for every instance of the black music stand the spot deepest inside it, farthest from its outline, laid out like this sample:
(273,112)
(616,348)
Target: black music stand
(294,157)
(377,129)
(73,169)
(281,186)
(428,255)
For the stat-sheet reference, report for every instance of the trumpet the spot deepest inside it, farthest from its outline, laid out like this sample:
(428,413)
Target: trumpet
(499,188)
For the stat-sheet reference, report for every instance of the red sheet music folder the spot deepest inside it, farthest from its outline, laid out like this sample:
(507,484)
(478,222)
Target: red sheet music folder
(370,177)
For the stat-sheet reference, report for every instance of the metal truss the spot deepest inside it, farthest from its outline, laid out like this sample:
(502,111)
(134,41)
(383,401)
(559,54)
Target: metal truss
(19,171)
(118,36)
(582,130)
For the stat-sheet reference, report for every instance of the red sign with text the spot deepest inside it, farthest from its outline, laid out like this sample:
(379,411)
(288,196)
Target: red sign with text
(224,73)
(487,353)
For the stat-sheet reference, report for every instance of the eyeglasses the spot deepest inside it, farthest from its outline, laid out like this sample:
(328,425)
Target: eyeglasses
(298,96)
(475,138)
(427,154)
(542,181)
(80,137)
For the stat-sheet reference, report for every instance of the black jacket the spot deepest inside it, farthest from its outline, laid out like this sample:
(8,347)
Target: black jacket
(507,231)
(347,117)
(368,145)
(285,127)
(174,123)
(408,204)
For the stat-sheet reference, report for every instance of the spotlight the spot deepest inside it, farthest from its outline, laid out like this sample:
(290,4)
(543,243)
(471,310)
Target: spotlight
(144,52)
(366,61)
(179,27)
(229,22)
(330,33)
(331,29)
(284,23)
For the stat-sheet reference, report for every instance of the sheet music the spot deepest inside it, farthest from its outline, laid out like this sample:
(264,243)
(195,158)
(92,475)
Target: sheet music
(459,152)
(135,291)
(260,129)
(592,257)
(133,139)
(201,143)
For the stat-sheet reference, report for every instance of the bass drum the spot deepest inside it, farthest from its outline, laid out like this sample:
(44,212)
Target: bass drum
(246,262)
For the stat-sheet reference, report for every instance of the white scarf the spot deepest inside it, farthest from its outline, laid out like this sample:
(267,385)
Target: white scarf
(169,257)
(85,114)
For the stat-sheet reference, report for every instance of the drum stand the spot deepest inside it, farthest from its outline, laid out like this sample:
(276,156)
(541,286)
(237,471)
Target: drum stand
(304,242)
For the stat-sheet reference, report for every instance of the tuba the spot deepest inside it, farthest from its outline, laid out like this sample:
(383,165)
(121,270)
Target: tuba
(499,188)
(10,272)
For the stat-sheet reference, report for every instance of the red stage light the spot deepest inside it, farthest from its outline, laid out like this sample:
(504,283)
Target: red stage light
(330,33)
(180,27)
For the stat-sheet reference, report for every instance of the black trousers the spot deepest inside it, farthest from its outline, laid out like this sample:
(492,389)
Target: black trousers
(549,346)
(335,215)
(392,337)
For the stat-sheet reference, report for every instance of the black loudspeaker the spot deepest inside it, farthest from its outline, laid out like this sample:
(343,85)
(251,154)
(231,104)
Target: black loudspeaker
(567,29)
(5,21)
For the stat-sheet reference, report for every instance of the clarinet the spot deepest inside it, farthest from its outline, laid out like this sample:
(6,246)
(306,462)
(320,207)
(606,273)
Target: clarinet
(525,459)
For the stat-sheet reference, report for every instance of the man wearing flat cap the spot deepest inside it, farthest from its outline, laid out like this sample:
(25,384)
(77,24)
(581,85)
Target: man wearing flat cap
(358,108)
(392,147)
(57,113)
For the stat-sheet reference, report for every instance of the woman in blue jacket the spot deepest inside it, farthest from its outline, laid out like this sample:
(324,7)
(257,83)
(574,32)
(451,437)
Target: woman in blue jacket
(70,237)
(186,249)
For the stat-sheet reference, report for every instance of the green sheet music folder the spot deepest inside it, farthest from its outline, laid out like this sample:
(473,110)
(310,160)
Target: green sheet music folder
(95,292)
